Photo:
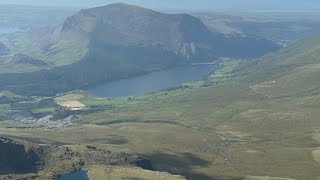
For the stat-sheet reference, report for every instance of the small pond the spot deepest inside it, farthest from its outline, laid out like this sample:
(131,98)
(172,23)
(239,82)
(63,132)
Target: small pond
(80,175)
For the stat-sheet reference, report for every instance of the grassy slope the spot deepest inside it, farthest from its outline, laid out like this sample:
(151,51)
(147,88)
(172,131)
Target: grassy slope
(262,123)
(64,52)
(270,113)
(119,173)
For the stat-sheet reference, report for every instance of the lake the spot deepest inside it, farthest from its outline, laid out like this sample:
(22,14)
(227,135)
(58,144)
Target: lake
(80,175)
(151,82)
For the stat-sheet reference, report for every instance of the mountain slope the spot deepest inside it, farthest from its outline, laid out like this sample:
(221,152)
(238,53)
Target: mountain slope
(246,125)
(291,71)
(117,41)
(185,35)
(21,63)
(123,25)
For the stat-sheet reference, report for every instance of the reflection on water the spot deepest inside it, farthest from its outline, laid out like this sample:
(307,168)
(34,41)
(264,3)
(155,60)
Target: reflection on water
(151,82)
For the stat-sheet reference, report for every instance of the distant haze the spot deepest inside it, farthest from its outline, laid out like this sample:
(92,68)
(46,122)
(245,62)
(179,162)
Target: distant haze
(288,5)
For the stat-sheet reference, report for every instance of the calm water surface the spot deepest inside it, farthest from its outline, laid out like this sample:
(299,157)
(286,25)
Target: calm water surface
(80,175)
(151,82)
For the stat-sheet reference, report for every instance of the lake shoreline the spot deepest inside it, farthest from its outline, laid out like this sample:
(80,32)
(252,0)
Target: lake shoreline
(142,82)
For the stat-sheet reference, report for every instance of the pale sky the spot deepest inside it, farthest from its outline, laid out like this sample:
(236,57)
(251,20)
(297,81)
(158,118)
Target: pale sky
(183,4)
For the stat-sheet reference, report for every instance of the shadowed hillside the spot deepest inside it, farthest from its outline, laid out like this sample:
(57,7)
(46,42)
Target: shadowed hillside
(17,158)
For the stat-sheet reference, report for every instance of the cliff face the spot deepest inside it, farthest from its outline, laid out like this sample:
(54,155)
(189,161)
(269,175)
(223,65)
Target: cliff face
(17,158)
(20,157)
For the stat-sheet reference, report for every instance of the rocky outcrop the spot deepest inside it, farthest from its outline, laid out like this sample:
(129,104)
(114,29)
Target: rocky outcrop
(20,157)
(17,158)
(93,155)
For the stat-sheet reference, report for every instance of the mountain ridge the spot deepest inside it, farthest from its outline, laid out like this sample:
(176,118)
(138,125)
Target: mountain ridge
(183,34)
(124,24)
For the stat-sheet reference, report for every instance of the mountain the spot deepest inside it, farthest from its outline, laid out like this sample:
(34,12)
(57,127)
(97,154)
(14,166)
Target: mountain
(260,120)
(128,27)
(186,36)
(120,40)
(3,49)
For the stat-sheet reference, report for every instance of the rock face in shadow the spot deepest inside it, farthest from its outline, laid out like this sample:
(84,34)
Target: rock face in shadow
(21,157)
(93,155)
(144,164)
(17,158)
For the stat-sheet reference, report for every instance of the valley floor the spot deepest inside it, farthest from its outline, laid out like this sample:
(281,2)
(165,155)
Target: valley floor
(231,130)
(253,135)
